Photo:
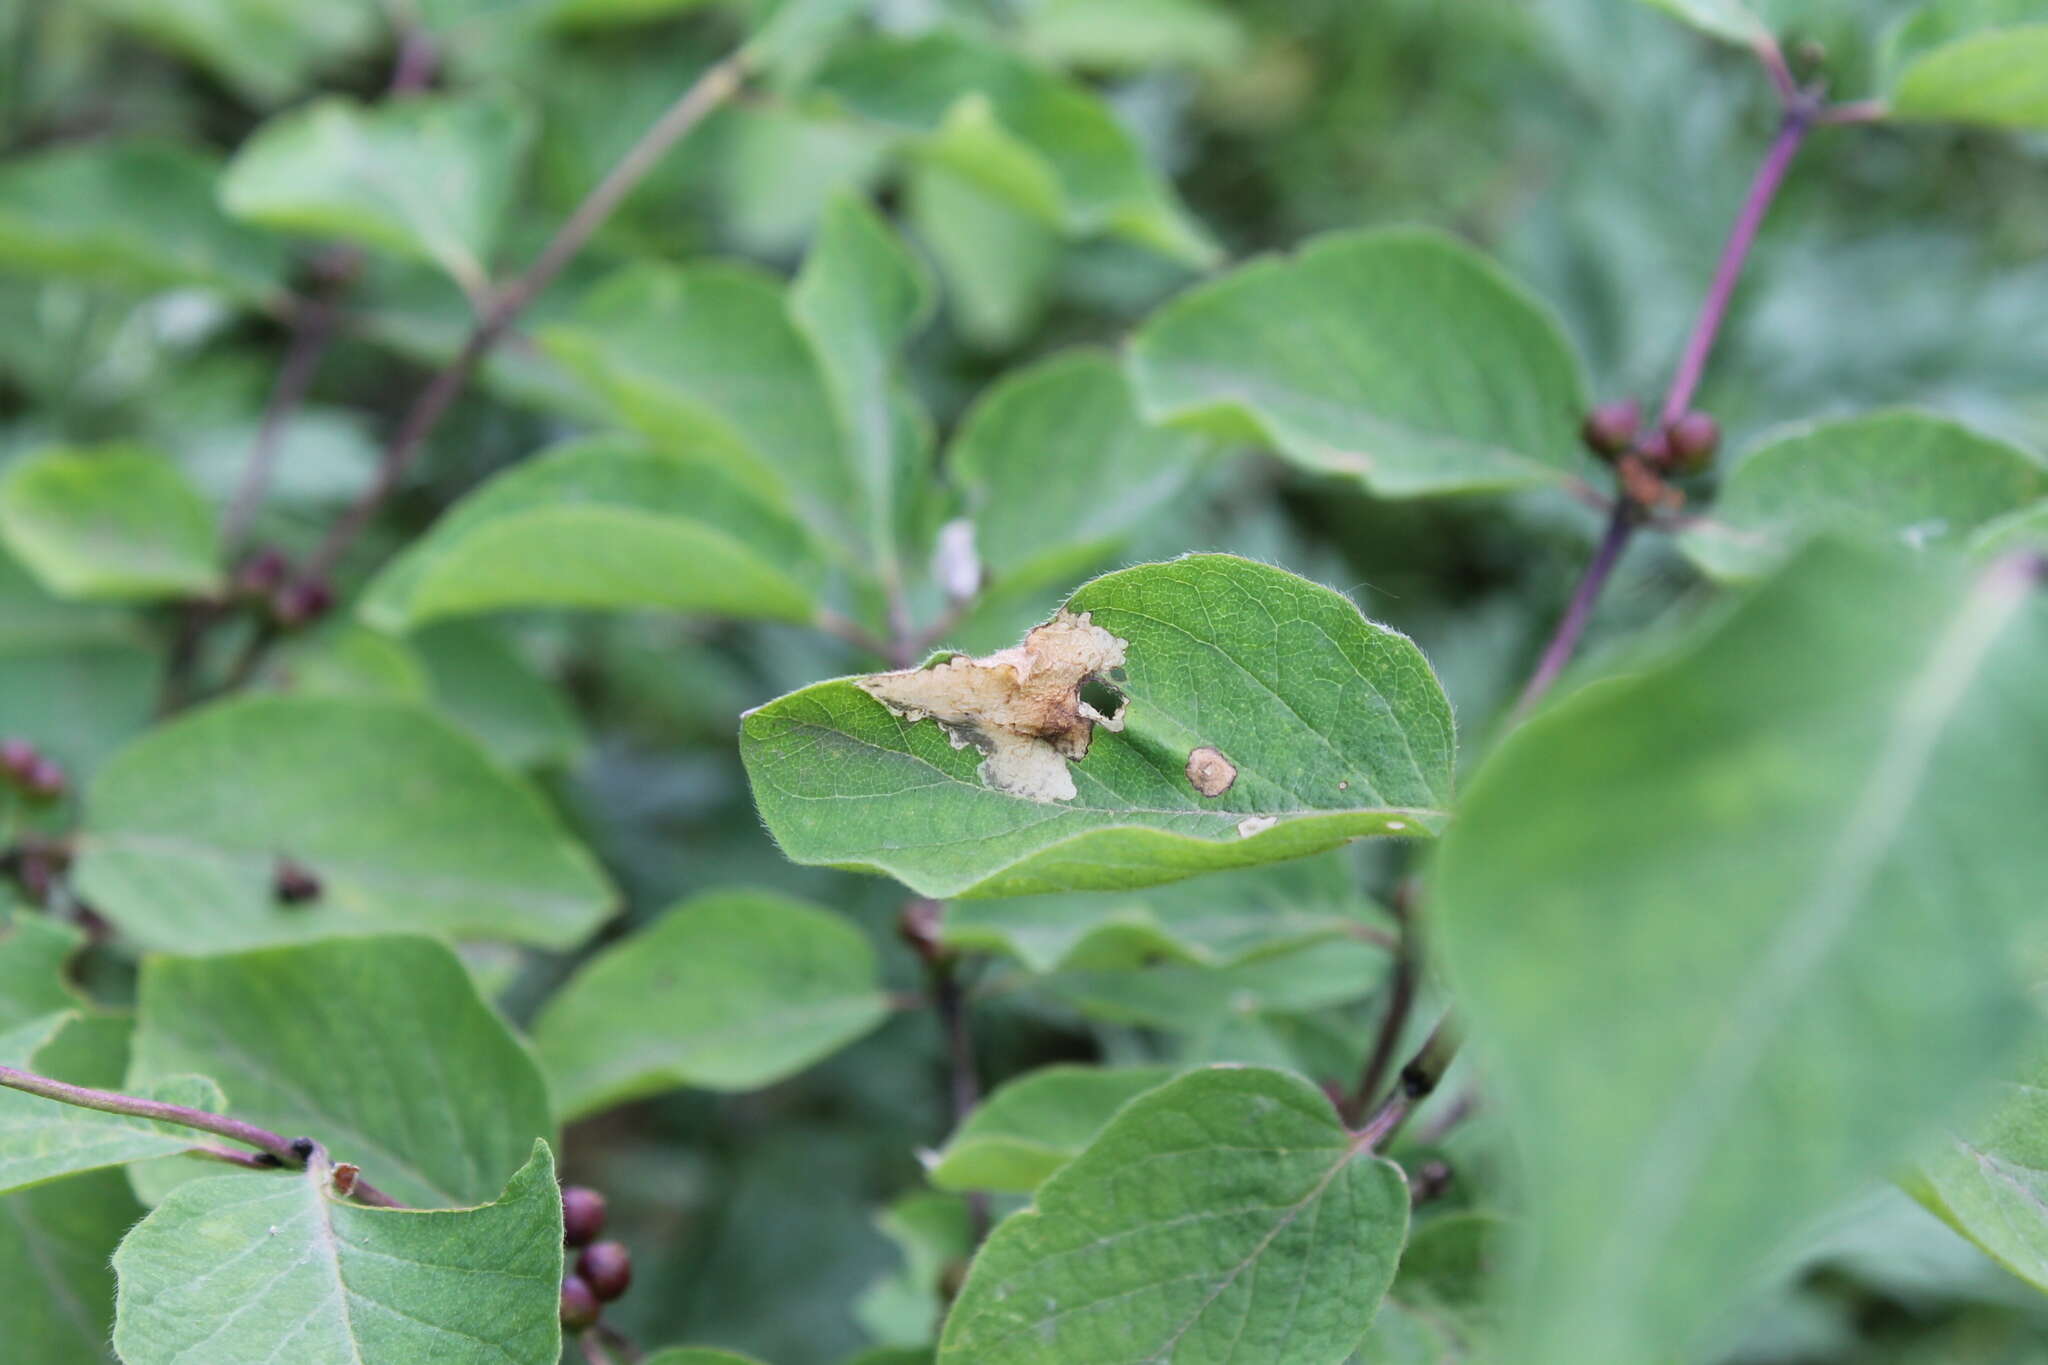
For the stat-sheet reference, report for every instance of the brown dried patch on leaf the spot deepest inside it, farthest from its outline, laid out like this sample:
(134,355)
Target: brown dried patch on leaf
(1020,706)
(1209,772)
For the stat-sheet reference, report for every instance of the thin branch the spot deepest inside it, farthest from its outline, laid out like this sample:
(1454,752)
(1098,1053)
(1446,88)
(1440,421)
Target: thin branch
(287,1151)
(1776,67)
(234,1156)
(312,330)
(711,89)
(853,633)
(1763,189)
(919,927)
(1571,627)
(1419,1080)
(1400,1005)
(620,1344)
(1856,111)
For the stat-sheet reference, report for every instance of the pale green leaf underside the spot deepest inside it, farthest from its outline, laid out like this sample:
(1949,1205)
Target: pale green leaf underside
(1989,1179)
(698,1355)
(43,1140)
(1225,1214)
(273,1267)
(33,951)
(379,1046)
(427,176)
(1905,478)
(1034,1125)
(407,824)
(1400,358)
(1336,727)
(729,991)
(115,522)
(605,523)
(267,49)
(1802,930)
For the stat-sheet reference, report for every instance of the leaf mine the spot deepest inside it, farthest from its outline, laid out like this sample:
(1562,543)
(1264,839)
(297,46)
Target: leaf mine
(1021,707)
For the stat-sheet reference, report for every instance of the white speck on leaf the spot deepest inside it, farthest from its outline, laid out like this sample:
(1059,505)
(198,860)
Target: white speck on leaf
(1255,824)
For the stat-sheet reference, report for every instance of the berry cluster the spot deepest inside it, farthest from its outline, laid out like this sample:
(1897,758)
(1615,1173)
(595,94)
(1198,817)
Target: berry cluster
(29,771)
(603,1270)
(1683,446)
(266,576)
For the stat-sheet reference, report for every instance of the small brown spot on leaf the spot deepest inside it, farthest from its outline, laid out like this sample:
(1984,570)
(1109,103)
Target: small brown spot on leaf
(1022,707)
(1209,772)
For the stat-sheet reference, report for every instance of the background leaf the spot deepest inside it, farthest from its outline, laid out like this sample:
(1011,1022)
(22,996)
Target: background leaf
(134,212)
(404,821)
(1359,742)
(1802,932)
(1989,1180)
(730,991)
(1032,1126)
(1909,478)
(55,1245)
(1359,355)
(1227,1210)
(604,522)
(338,1284)
(112,522)
(1972,61)
(427,176)
(325,1039)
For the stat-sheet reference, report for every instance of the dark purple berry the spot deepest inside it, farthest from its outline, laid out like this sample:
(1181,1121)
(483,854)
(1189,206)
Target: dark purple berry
(263,572)
(18,760)
(583,1211)
(1611,428)
(1694,439)
(297,604)
(46,781)
(579,1305)
(607,1268)
(294,883)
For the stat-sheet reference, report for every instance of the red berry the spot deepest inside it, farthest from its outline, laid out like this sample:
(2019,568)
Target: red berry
(296,604)
(46,781)
(1611,428)
(1694,439)
(263,572)
(607,1268)
(583,1211)
(18,760)
(579,1305)
(293,883)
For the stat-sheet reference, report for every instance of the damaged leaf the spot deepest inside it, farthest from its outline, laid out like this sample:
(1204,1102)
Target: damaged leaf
(1020,707)
(990,777)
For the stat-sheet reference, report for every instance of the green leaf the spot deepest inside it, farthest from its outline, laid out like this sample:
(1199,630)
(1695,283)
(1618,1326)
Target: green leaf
(1902,477)
(2025,529)
(426,176)
(135,212)
(1133,35)
(344,659)
(379,1047)
(935,1237)
(55,1244)
(697,1355)
(43,1140)
(1715,1003)
(1335,726)
(1308,975)
(1363,354)
(1971,61)
(1226,1212)
(860,297)
(997,263)
(1439,1310)
(1214,921)
(1046,145)
(255,1267)
(1032,1126)
(406,823)
(112,522)
(483,684)
(33,952)
(1989,1180)
(267,49)
(1727,19)
(605,522)
(1059,469)
(731,991)
(706,359)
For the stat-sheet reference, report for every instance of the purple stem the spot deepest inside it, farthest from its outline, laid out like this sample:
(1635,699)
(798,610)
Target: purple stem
(1692,364)
(108,1102)
(1621,525)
